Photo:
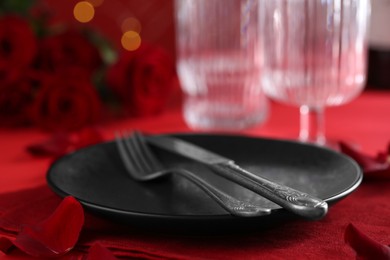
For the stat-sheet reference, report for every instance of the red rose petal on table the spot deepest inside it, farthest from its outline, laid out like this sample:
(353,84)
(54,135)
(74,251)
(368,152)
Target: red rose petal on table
(373,167)
(61,143)
(54,236)
(56,145)
(384,156)
(99,252)
(6,245)
(365,247)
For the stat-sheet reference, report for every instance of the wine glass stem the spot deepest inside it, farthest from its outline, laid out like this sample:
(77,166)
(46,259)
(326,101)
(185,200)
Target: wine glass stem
(312,125)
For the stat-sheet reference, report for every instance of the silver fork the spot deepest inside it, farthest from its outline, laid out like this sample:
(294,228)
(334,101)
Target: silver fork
(142,165)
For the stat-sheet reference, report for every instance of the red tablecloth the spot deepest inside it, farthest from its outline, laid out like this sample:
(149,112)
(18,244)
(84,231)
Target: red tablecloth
(365,121)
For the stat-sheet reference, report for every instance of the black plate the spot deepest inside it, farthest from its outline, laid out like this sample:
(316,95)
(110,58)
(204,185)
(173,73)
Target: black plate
(97,178)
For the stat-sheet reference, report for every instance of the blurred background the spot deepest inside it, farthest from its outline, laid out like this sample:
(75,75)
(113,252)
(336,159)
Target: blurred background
(152,19)
(65,65)
(124,50)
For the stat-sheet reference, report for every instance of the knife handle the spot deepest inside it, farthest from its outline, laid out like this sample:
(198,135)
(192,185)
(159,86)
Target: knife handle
(293,200)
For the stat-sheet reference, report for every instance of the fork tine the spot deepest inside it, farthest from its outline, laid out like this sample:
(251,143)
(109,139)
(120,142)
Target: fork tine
(135,155)
(124,154)
(149,157)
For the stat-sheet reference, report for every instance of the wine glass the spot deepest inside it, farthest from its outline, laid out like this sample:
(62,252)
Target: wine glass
(314,54)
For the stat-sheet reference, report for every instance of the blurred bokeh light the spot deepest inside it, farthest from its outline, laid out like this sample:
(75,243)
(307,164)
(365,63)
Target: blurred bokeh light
(84,11)
(152,20)
(131,40)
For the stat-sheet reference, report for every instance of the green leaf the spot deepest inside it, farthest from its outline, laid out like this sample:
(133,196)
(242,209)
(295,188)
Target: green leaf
(16,6)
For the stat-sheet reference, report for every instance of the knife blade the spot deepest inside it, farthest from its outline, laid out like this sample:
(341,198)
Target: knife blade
(295,201)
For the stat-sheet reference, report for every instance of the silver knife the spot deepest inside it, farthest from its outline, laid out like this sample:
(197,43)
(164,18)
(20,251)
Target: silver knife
(292,200)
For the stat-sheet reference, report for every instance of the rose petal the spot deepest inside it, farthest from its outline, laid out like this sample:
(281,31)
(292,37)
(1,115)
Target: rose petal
(56,145)
(372,166)
(56,235)
(365,247)
(61,143)
(384,156)
(6,245)
(99,252)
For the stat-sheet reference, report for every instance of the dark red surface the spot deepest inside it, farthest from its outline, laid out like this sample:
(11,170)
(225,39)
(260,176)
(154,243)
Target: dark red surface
(25,198)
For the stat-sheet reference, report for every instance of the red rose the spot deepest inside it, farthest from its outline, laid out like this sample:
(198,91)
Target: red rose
(144,80)
(69,49)
(66,102)
(15,102)
(18,47)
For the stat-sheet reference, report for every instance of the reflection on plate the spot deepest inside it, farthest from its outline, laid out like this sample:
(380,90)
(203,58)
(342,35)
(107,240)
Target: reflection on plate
(97,178)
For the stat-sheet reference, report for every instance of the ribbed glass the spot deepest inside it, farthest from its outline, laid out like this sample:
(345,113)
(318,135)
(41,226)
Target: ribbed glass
(313,55)
(218,63)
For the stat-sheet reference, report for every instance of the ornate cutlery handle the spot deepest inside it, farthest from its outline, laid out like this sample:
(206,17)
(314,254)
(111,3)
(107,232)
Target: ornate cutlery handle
(234,206)
(293,200)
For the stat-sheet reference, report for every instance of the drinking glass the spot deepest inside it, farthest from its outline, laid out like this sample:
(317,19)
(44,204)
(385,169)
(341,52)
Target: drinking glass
(218,63)
(313,55)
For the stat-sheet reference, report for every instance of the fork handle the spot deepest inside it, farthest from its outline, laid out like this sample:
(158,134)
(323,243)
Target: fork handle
(233,206)
(295,201)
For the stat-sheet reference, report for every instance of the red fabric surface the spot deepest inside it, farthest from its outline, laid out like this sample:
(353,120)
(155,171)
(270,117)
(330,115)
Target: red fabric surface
(365,247)
(25,198)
